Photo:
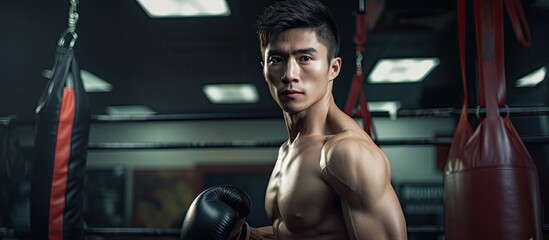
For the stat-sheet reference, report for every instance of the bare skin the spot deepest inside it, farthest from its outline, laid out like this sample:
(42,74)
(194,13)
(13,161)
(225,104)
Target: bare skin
(330,180)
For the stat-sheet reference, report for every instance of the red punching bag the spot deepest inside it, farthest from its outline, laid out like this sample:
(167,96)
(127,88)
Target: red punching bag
(491,183)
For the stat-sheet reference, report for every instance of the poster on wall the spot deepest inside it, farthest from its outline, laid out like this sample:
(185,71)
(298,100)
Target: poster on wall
(104,197)
(161,197)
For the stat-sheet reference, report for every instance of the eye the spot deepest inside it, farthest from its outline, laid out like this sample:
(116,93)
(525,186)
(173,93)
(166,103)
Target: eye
(305,58)
(274,60)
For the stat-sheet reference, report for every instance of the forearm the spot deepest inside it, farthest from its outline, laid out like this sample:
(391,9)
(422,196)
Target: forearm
(262,233)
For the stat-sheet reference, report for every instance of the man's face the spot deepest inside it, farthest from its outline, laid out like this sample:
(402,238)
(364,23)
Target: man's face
(296,69)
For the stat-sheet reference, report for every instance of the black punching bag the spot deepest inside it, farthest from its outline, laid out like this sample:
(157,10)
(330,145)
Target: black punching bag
(61,142)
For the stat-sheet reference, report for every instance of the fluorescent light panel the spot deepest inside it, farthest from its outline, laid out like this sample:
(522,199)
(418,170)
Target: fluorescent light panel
(402,70)
(231,93)
(92,83)
(533,78)
(185,8)
(129,110)
(391,107)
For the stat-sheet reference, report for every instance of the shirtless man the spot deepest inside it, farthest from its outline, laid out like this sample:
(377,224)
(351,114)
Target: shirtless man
(330,181)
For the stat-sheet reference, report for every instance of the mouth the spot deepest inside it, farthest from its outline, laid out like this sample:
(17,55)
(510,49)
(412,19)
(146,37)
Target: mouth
(290,94)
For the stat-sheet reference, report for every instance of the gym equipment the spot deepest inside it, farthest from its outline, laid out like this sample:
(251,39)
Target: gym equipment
(491,183)
(216,213)
(105,146)
(407,113)
(61,141)
(356,91)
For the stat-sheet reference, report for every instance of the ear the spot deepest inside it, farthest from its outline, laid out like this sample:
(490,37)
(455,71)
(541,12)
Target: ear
(335,67)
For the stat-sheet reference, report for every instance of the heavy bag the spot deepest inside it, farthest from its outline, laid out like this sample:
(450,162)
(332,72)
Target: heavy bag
(491,188)
(61,142)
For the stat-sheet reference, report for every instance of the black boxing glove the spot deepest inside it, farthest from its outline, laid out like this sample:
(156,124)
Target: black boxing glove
(218,213)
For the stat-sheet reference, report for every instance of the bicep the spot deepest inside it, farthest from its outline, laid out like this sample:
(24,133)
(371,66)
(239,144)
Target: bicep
(358,174)
(380,221)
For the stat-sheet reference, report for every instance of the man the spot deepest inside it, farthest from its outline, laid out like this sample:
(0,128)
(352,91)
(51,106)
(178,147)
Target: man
(330,181)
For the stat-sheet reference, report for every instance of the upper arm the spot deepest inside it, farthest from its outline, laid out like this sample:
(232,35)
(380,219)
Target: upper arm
(262,233)
(359,174)
(356,173)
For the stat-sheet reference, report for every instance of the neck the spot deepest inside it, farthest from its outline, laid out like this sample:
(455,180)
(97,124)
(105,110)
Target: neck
(311,121)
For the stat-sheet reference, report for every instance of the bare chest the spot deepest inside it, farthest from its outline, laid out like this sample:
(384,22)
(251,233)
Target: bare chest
(296,194)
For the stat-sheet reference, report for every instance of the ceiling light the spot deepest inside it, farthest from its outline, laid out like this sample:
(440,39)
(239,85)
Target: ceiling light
(402,70)
(391,107)
(92,83)
(184,8)
(231,93)
(532,79)
(129,110)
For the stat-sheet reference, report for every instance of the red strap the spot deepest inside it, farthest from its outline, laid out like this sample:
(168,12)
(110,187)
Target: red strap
(518,20)
(356,86)
(360,33)
(490,54)
(489,38)
(366,115)
(463,130)
(462,18)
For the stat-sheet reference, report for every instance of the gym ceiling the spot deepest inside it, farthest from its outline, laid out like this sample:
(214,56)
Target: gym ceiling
(164,63)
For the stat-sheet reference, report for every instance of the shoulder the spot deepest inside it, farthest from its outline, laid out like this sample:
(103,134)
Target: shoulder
(350,160)
(350,148)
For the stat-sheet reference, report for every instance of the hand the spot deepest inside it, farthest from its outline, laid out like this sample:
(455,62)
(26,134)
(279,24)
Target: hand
(218,213)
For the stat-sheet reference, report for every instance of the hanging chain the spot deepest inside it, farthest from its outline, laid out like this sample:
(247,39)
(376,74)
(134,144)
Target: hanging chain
(73,16)
(71,30)
(358,63)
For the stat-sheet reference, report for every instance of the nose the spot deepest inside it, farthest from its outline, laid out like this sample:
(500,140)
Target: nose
(291,73)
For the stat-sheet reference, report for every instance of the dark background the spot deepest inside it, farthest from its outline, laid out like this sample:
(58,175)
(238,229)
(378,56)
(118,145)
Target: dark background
(164,63)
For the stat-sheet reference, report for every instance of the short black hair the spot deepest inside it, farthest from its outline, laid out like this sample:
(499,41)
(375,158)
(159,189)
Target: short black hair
(289,14)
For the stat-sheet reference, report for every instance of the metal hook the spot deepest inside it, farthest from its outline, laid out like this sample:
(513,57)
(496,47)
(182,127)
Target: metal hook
(61,42)
(358,62)
(73,15)
(73,19)
(507,111)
